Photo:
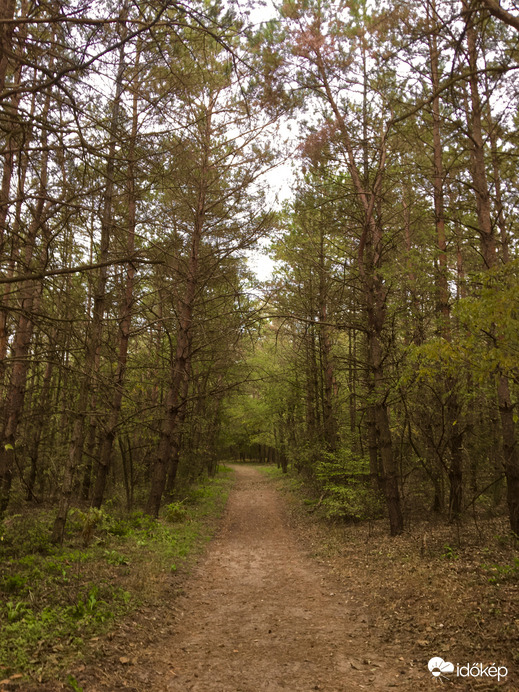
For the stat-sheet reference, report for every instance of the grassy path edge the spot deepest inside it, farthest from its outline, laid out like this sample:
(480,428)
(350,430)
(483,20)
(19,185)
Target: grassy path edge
(58,606)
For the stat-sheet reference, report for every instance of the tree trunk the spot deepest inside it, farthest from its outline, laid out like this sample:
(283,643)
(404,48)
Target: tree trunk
(93,349)
(36,430)
(180,374)
(7,8)
(488,250)
(108,436)
(369,261)
(453,408)
(30,296)
(329,416)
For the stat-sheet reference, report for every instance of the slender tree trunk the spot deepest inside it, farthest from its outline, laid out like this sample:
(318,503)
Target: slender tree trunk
(182,360)
(16,243)
(352,383)
(497,178)
(438,176)
(311,367)
(369,262)
(488,250)
(415,330)
(93,350)
(375,468)
(7,8)
(176,445)
(453,420)
(108,436)
(30,296)
(181,367)
(329,417)
(36,430)
(475,126)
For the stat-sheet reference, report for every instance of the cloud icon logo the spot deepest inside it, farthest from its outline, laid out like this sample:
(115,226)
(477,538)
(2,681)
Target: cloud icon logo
(438,666)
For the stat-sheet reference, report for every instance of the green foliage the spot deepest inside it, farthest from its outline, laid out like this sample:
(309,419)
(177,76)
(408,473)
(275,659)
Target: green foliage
(115,558)
(88,606)
(449,553)
(344,479)
(58,601)
(118,527)
(503,573)
(16,611)
(13,583)
(490,316)
(21,536)
(26,629)
(140,520)
(272,471)
(89,521)
(426,362)
(305,456)
(175,512)
(73,684)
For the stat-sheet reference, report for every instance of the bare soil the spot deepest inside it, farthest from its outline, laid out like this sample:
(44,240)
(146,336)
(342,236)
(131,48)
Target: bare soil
(259,613)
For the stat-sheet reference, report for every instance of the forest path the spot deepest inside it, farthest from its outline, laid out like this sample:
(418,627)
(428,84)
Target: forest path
(259,614)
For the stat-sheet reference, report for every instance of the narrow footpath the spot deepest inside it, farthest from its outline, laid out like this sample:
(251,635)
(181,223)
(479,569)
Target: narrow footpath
(258,614)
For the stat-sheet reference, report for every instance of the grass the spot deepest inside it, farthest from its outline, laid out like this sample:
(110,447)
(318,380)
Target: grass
(53,601)
(288,481)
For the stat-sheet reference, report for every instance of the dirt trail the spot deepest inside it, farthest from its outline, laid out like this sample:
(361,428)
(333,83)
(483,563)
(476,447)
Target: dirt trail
(260,615)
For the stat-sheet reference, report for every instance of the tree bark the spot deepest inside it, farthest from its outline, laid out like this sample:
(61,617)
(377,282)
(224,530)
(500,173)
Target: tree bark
(488,251)
(329,416)
(30,296)
(369,261)
(453,408)
(108,436)
(7,8)
(180,372)
(93,349)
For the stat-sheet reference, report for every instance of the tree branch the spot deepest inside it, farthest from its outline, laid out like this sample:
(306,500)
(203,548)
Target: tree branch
(76,269)
(497,11)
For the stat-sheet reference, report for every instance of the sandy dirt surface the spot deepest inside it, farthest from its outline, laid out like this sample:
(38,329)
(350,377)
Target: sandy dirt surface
(260,614)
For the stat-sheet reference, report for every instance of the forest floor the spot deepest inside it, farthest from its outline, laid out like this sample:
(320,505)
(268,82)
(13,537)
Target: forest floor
(281,601)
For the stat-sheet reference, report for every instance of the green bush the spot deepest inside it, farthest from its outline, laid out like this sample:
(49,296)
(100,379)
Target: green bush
(175,512)
(22,535)
(13,583)
(345,481)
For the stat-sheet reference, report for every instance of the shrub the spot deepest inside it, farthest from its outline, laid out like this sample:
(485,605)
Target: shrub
(175,512)
(13,583)
(345,481)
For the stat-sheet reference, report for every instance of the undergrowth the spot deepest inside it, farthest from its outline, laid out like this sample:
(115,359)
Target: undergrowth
(55,599)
